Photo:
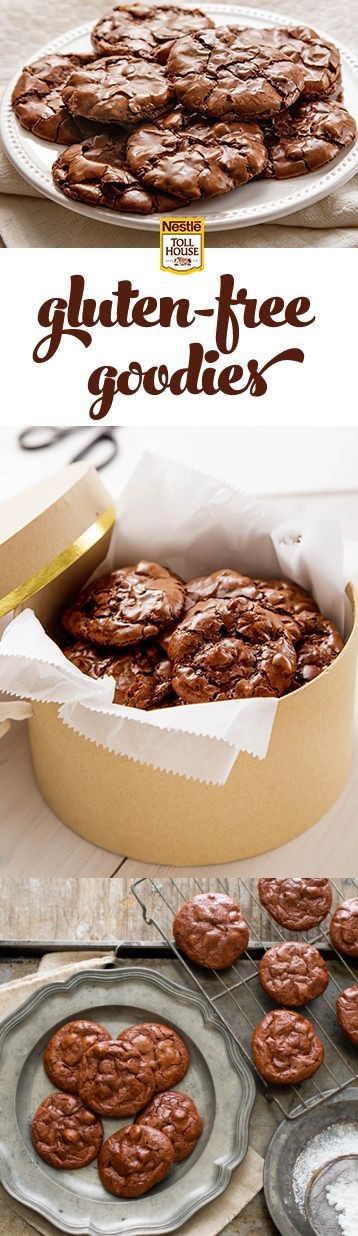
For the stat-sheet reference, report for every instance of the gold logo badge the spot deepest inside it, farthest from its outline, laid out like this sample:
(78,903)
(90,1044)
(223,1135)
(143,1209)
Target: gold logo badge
(182,245)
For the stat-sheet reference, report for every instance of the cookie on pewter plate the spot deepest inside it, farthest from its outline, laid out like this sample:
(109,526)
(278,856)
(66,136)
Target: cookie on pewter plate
(135,1159)
(344,927)
(114,1079)
(347,1013)
(318,59)
(215,75)
(163,1050)
(200,160)
(211,930)
(286,1049)
(307,138)
(64,1052)
(65,1133)
(231,650)
(296,903)
(96,171)
(147,30)
(37,98)
(132,604)
(119,90)
(293,973)
(175,1115)
(142,673)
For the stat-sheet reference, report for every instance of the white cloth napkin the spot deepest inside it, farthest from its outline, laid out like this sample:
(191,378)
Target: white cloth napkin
(28,220)
(18,1220)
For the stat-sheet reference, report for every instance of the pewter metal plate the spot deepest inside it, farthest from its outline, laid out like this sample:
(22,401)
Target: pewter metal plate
(218,1080)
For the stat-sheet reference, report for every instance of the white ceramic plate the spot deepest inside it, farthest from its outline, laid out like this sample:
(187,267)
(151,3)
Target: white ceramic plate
(261,201)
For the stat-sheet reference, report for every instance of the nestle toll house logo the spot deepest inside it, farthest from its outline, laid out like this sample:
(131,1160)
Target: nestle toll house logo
(182,245)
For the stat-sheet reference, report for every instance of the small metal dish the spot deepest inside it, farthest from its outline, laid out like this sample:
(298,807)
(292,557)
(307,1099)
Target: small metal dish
(321,1209)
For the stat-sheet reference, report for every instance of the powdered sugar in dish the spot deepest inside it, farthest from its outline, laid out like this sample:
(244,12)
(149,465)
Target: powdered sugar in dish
(343,1197)
(339,1138)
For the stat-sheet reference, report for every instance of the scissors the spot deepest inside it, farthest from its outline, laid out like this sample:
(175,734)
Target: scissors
(38,438)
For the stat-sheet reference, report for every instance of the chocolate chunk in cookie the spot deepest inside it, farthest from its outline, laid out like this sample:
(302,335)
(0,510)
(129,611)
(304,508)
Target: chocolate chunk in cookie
(231,650)
(320,646)
(114,1079)
(146,30)
(344,927)
(96,171)
(293,973)
(65,1133)
(211,930)
(119,90)
(38,103)
(162,1048)
(64,1052)
(308,137)
(201,160)
(126,607)
(142,673)
(135,1159)
(215,75)
(347,1013)
(175,1115)
(296,903)
(318,59)
(286,1049)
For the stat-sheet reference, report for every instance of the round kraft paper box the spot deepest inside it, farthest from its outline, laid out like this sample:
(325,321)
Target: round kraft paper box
(135,810)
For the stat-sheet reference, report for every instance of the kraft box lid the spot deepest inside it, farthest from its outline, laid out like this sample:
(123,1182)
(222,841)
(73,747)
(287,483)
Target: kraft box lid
(48,529)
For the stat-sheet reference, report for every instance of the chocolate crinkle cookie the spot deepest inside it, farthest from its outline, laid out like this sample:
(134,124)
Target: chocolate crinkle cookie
(318,647)
(307,137)
(146,30)
(132,604)
(231,650)
(296,903)
(96,171)
(286,1050)
(293,973)
(347,1013)
(163,1050)
(142,674)
(64,1052)
(119,90)
(114,1079)
(318,59)
(214,74)
(344,927)
(135,1159)
(198,160)
(211,930)
(38,102)
(65,1133)
(176,1115)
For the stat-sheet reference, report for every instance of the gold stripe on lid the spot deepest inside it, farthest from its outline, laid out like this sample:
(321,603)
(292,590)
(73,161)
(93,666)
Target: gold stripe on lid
(64,560)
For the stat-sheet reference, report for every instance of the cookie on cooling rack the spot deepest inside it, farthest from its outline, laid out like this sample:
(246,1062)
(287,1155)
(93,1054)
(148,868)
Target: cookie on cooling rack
(211,931)
(286,1049)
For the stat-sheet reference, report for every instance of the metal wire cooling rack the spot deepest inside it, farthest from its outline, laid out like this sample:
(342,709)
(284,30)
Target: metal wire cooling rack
(236,994)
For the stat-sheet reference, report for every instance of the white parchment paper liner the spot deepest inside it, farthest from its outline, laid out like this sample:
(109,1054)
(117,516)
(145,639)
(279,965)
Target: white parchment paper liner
(194,524)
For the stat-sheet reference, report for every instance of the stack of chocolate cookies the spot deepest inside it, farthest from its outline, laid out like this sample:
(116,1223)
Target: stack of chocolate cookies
(171,109)
(218,637)
(99,1077)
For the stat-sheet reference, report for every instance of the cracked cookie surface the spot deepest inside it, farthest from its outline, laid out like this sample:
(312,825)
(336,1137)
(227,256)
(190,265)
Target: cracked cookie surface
(232,649)
(318,59)
(162,1048)
(211,930)
(146,30)
(293,973)
(119,90)
(64,1052)
(38,102)
(200,160)
(65,1133)
(176,1115)
(114,1079)
(215,75)
(296,903)
(344,927)
(319,645)
(130,605)
(96,171)
(135,1159)
(308,137)
(142,674)
(347,1013)
(286,1049)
